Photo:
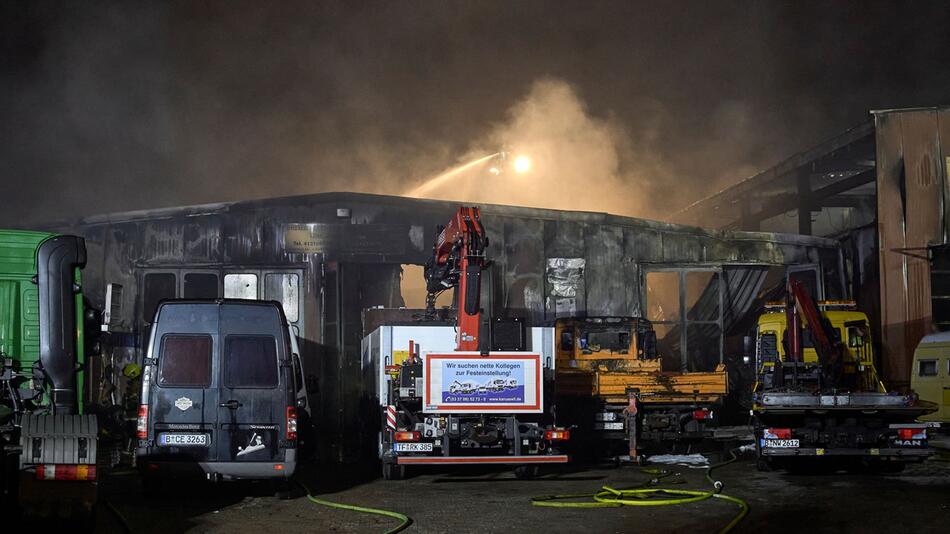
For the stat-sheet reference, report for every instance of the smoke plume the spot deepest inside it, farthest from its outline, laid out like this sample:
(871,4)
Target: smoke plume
(577,161)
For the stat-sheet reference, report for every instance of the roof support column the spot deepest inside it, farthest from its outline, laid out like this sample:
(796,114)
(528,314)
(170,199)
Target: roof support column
(803,182)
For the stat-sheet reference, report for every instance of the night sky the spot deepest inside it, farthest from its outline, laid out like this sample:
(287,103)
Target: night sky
(119,106)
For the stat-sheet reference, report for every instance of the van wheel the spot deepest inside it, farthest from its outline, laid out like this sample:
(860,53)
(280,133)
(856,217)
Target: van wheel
(392,471)
(526,472)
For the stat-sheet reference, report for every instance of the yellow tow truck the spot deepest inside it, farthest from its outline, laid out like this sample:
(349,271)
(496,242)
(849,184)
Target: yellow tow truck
(612,390)
(818,393)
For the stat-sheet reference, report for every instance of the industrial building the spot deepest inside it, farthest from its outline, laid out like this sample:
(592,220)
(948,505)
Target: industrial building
(882,189)
(328,257)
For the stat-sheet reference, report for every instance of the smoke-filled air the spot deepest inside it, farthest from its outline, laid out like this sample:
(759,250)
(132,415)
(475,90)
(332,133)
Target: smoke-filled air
(551,152)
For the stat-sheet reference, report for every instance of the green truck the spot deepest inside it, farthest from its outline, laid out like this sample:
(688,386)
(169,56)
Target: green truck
(48,443)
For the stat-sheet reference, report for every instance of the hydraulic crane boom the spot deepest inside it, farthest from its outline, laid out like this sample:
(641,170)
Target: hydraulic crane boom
(458,257)
(801,306)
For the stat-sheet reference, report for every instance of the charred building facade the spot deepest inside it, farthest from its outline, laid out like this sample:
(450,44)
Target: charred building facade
(882,189)
(329,257)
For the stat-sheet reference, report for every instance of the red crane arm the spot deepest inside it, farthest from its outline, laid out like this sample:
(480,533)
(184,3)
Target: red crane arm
(458,257)
(829,352)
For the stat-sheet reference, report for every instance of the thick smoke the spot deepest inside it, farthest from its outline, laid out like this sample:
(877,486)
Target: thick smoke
(577,161)
(625,107)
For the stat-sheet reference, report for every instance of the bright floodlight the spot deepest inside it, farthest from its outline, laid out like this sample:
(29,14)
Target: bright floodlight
(522,164)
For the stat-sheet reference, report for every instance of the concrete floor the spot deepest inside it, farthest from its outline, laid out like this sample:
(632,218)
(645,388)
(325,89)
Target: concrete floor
(480,500)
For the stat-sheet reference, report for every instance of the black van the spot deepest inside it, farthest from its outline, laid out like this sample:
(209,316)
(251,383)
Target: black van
(221,392)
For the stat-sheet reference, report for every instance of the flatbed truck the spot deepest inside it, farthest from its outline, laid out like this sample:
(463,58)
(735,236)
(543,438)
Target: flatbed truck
(818,395)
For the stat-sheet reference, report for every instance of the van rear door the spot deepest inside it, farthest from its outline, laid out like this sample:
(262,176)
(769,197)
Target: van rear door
(185,398)
(255,384)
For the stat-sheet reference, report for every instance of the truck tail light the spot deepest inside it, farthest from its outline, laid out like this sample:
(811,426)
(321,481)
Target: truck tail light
(141,424)
(778,433)
(65,472)
(703,414)
(291,424)
(406,436)
(558,434)
(912,433)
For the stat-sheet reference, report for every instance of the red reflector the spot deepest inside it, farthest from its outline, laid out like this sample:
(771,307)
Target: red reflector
(778,433)
(705,413)
(406,436)
(291,424)
(912,433)
(141,425)
(66,472)
(278,467)
(557,435)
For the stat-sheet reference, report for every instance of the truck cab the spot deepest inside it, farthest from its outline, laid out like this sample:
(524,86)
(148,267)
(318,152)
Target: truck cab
(612,389)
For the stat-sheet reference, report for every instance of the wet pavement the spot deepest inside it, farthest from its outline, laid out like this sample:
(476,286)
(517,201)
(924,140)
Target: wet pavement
(482,500)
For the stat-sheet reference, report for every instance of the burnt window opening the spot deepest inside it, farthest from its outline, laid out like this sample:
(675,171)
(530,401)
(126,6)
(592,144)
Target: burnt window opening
(200,286)
(412,287)
(685,307)
(158,286)
(285,289)
(240,286)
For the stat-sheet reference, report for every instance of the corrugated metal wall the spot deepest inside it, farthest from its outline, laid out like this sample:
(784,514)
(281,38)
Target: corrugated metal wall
(913,152)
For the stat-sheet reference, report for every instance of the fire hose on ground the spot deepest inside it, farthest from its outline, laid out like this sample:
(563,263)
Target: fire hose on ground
(650,496)
(405,520)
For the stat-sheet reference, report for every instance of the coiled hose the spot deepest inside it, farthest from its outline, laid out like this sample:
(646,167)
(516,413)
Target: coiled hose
(405,520)
(650,496)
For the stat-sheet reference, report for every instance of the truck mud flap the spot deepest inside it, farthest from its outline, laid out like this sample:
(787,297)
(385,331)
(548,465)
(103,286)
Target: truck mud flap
(58,439)
(462,460)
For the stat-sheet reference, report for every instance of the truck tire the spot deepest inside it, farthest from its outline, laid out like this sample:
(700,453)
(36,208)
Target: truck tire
(526,472)
(393,471)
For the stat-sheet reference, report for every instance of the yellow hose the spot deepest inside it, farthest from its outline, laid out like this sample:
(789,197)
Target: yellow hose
(610,497)
(406,520)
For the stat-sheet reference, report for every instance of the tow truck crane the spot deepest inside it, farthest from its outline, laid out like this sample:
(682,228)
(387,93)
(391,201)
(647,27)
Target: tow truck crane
(468,393)
(817,392)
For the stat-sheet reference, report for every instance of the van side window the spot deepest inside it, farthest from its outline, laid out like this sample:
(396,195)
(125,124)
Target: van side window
(927,368)
(185,360)
(250,362)
(298,375)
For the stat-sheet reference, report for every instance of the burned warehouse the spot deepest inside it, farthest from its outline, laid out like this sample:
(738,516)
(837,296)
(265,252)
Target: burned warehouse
(330,257)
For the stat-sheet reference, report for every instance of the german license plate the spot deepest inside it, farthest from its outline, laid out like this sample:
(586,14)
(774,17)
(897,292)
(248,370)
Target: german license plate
(184,440)
(782,443)
(412,447)
(610,425)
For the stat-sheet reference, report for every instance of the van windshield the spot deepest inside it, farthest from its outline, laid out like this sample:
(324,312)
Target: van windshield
(250,361)
(185,360)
